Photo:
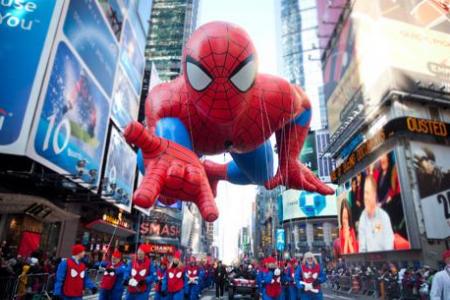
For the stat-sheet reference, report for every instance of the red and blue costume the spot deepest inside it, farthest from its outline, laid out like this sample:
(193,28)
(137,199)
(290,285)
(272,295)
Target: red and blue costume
(71,277)
(175,283)
(141,275)
(195,276)
(161,272)
(271,279)
(308,278)
(290,289)
(111,286)
(221,104)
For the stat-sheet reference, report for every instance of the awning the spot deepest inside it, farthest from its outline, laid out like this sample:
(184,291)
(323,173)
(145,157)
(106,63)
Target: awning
(37,207)
(105,227)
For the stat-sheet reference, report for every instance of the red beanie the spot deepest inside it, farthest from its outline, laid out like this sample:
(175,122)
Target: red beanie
(77,249)
(145,248)
(177,254)
(117,254)
(445,255)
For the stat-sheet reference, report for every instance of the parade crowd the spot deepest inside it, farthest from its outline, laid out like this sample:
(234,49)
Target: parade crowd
(143,276)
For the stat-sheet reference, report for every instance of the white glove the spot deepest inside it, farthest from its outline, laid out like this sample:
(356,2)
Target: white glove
(277,272)
(133,282)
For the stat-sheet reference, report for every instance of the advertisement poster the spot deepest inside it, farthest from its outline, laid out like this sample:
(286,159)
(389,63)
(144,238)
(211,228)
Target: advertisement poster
(432,169)
(373,56)
(125,107)
(89,33)
(161,227)
(70,130)
(308,155)
(280,239)
(120,171)
(371,217)
(301,204)
(132,58)
(23,66)
(115,10)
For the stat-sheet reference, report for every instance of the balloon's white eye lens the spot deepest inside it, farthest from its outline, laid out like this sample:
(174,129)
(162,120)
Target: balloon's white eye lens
(244,75)
(198,77)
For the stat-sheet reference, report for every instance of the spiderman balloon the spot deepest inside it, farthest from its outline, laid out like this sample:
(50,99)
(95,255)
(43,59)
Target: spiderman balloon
(221,104)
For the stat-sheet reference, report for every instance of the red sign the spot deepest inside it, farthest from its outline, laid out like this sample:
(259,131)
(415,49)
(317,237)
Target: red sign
(162,249)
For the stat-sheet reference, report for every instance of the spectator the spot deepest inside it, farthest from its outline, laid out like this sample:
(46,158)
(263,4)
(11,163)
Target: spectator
(348,243)
(440,288)
(219,279)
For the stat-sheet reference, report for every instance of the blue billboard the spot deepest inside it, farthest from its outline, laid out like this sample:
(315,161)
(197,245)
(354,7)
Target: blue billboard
(120,171)
(280,241)
(22,24)
(89,33)
(132,58)
(70,130)
(125,103)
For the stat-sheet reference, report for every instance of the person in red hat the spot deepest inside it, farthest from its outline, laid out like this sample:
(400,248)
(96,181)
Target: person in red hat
(271,280)
(440,287)
(175,281)
(308,278)
(160,293)
(111,286)
(195,277)
(71,278)
(140,276)
(290,290)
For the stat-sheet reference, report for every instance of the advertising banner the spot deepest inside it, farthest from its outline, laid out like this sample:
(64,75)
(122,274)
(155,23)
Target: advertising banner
(371,217)
(70,128)
(115,11)
(31,22)
(432,169)
(373,56)
(161,228)
(280,239)
(308,155)
(301,204)
(89,33)
(125,103)
(131,57)
(120,171)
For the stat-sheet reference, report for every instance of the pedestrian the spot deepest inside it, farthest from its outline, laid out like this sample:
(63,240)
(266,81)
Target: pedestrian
(160,293)
(271,280)
(140,275)
(289,280)
(111,286)
(440,287)
(308,278)
(71,279)
(175,280)
(219,279)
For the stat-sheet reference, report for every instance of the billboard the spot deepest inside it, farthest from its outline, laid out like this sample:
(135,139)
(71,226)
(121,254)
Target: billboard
(115,11)
(89,33)
(161,227)
(280,239)
(432,169)
(71,123)
(301,204)
(131,57)
(21,25)
(371,217)
(373,56)
(308,155)
(120,170)
(125,103)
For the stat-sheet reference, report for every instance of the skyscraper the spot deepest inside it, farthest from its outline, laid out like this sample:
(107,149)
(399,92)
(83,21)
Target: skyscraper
(300,53)
(171,24)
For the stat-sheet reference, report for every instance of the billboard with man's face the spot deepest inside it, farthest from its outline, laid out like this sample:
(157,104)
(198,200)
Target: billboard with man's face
(432,169)
(370,210)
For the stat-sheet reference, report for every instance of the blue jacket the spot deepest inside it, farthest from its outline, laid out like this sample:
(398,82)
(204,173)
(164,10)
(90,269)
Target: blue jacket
(61,276)
(121,273)
(151,277)
(298,276)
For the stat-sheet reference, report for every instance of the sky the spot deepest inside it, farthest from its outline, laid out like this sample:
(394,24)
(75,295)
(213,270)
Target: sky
(257,17)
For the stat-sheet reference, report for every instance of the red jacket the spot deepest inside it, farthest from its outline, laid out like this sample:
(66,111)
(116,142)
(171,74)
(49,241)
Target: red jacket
(74,280)
(175,280)
(109,277)
(139,272)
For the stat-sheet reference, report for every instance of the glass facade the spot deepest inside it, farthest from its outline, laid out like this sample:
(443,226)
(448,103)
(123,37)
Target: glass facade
(301,53)
(171,23)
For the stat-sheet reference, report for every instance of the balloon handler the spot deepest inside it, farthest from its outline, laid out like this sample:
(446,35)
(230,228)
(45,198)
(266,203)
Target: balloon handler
(111,286)
(140,275)
(308,278)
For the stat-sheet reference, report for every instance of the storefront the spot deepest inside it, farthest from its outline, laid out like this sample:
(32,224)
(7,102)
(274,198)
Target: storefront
(31,223)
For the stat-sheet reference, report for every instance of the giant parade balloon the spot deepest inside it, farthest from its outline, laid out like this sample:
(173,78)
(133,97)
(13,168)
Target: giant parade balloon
(220,103)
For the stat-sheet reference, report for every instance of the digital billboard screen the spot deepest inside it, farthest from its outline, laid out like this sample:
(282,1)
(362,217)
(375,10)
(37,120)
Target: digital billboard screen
(432,169)
(371,216)
(301,204)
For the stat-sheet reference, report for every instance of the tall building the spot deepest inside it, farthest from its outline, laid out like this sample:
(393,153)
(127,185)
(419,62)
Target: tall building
(384,82)
(300,52)
(171,24)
